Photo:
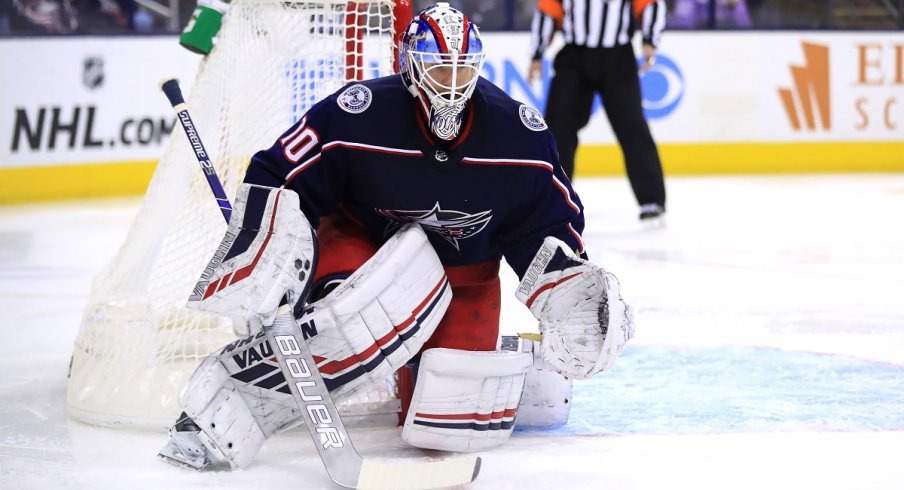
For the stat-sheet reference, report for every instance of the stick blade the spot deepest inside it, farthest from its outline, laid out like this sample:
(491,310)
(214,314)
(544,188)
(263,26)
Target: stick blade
(417,475)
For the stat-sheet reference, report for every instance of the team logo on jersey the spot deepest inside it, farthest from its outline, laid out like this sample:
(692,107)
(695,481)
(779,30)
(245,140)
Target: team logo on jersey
(355,99)
(451,225)
(531,118)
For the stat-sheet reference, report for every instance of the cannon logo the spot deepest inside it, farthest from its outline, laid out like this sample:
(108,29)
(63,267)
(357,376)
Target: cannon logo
(808,99)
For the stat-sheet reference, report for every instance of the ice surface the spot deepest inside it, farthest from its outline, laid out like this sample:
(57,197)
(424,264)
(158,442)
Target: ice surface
(769,350)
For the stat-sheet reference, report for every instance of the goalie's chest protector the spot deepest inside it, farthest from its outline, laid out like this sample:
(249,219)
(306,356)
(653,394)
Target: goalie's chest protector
(377,161)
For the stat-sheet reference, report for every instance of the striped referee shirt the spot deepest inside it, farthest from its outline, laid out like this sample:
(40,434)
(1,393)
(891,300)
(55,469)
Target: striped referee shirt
(597,23)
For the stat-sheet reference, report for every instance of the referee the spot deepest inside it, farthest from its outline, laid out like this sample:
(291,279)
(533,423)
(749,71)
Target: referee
(598,58)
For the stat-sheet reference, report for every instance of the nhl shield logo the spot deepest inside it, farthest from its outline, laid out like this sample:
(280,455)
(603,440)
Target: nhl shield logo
(355,99)
(531,118)
(93,72)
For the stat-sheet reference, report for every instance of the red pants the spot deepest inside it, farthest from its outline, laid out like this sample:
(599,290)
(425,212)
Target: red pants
(472,320)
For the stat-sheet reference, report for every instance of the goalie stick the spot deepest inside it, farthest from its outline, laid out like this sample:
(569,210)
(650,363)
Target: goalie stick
(342,461)
(174,94)
(343,464)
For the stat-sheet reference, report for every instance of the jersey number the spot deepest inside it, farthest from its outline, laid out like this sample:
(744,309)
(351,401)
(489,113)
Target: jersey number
(300,142)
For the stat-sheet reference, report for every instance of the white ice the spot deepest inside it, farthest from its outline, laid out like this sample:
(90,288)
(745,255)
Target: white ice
(769,350)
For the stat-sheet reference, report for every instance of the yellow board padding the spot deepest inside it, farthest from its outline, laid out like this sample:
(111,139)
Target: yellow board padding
(78,181)
(752,158)
(62,182)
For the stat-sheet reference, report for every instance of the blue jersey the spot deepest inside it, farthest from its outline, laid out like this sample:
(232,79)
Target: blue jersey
(497,191)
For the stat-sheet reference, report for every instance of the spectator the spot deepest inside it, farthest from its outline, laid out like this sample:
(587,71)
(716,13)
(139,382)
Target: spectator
(41,16)
(694,14)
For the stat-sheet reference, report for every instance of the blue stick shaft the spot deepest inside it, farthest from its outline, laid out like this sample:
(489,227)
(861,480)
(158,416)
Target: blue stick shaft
(174,94)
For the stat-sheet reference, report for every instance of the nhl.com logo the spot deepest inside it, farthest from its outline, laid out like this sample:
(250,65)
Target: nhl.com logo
(355,99)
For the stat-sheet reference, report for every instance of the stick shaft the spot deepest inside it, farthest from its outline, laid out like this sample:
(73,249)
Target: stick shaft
(340,458)
(174,94)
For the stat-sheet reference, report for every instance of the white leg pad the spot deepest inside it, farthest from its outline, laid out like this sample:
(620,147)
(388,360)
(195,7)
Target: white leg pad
(465,401)
(228,428)
(381,316)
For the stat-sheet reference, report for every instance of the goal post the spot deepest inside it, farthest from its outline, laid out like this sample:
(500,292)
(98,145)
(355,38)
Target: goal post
(137,343)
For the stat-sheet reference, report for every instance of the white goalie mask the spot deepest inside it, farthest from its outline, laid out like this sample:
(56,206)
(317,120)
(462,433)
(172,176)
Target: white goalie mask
(440,57)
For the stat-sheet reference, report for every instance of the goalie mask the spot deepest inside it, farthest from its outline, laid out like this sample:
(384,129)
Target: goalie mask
(440,57)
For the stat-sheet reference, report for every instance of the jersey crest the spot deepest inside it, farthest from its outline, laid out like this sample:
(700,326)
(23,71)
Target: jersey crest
(531,118)
(355,99)
(449,224)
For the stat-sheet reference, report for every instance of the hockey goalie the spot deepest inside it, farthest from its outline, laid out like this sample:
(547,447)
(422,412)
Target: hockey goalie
(377,224)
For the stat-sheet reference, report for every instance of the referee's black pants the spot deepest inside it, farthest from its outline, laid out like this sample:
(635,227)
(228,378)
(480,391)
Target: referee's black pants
(580,73)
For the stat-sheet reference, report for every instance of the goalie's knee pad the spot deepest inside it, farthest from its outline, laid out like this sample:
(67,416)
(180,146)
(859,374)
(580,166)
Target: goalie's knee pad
(464,400)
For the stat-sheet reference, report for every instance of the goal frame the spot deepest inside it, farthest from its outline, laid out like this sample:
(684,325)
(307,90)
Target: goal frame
(98,391)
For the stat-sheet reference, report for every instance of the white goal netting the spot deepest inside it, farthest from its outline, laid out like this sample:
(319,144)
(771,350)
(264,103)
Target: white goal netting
(138,344)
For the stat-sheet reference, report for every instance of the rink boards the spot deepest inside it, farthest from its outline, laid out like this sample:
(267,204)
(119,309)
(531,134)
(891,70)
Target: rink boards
(90,121)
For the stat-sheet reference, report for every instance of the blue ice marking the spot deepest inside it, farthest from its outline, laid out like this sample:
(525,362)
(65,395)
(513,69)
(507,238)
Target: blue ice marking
(736,389)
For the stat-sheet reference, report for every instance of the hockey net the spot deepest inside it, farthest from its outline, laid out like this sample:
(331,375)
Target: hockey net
(138,344)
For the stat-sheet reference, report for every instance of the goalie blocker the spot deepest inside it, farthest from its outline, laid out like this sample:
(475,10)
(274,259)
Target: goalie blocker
(267,256)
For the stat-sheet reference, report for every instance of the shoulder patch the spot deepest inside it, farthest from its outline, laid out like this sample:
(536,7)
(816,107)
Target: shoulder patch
(355,99)
(531,118)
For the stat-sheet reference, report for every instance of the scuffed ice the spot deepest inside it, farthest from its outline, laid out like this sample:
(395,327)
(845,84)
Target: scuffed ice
(768,353)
